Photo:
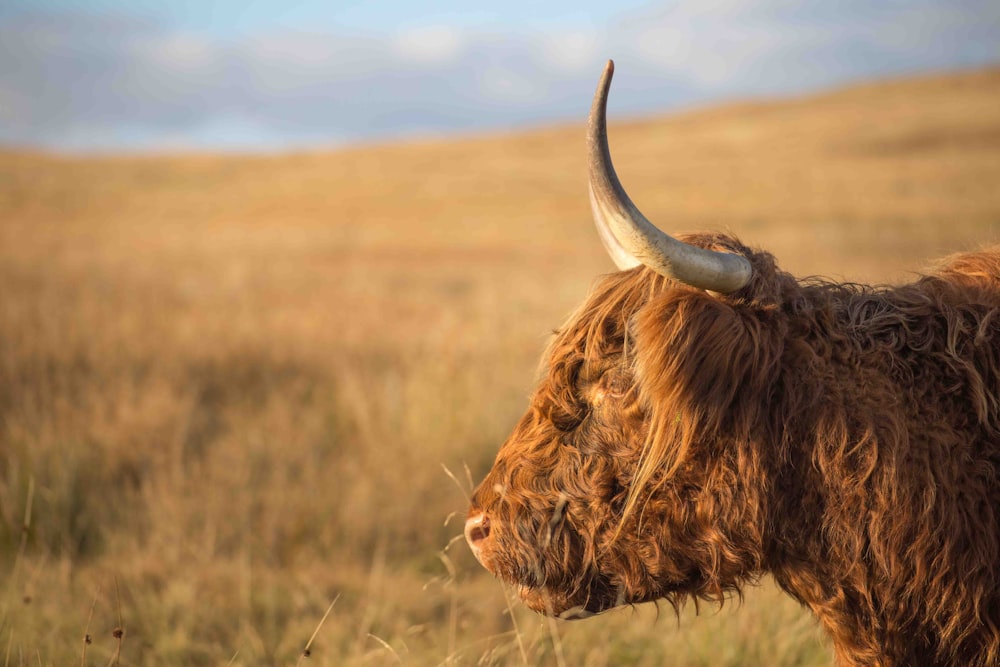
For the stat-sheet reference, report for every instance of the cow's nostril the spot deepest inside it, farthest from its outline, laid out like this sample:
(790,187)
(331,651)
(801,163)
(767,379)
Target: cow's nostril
(481,531)
(477,529)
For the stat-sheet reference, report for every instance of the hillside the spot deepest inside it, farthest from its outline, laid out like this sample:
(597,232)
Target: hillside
(228,384)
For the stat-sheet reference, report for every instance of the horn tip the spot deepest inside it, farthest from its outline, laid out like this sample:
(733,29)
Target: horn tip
(605,83)
(609,71)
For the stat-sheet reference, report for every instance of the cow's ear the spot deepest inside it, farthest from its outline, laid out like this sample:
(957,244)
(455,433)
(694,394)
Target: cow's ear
(704,361)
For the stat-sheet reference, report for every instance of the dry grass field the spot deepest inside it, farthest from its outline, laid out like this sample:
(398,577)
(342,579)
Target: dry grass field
(232,387)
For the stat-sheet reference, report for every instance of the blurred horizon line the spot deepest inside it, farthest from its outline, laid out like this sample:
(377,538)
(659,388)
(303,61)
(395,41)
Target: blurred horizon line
(459,135)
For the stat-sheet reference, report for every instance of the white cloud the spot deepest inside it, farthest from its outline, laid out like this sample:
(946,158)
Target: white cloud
(714,54)
(573,51)
(507,85)
(429,44)
(294,52)
(176,51)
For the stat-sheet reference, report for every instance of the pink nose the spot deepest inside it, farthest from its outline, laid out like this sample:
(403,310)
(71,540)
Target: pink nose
(477,529)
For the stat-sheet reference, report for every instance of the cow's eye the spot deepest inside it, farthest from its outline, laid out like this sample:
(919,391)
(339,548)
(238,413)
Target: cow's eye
(611,385)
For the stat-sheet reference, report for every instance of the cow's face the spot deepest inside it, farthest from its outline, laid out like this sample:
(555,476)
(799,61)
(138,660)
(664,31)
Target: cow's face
(617,487)
(548,518)
(619,484)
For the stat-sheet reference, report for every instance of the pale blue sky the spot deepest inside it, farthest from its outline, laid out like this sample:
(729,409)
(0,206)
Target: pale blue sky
(222,17)
(148,75)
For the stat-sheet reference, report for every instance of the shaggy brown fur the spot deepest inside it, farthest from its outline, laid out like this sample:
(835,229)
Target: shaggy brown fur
(843,438)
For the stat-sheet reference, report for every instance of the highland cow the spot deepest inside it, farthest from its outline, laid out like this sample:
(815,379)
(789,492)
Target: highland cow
(704,419)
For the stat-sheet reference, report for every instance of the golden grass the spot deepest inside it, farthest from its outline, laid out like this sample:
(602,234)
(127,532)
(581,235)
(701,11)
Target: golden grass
(228,384)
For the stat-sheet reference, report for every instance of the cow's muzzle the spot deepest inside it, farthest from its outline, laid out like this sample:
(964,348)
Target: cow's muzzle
(477,533)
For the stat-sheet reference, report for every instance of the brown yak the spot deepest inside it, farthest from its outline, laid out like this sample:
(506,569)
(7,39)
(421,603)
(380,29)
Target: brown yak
(704,419)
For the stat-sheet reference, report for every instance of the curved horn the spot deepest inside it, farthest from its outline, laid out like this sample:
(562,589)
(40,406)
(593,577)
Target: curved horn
(632,239)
